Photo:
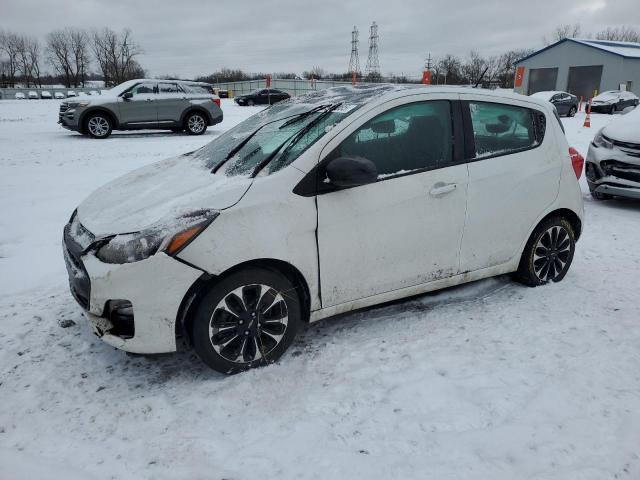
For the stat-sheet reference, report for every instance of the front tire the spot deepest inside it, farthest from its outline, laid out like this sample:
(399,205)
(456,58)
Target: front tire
(251,103)
(572,112)
(98,125)
(246,320)
(195,123)
(548,253)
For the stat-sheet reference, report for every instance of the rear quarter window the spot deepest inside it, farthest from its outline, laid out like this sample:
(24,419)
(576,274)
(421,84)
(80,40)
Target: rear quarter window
(501,129)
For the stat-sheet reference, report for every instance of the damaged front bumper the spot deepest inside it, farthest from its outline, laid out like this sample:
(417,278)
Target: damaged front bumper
(614,171)
(132,306)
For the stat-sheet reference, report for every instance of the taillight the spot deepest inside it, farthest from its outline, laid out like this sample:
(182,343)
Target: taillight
(577,161)
(216,101)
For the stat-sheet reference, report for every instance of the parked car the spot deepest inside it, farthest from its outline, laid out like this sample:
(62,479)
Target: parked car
(351,197)
(93,92)
(143,104)
(20,96)
(71,93)
(613,160)
(613,101)
(222,93)
(265,96)
(565,103)
(45,95)
(59,95)
(33,95)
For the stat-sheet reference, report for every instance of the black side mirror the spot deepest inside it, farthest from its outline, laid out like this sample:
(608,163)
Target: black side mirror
(351,171)
(127,95)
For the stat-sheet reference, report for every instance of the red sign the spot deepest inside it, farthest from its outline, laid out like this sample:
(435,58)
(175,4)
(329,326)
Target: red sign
(519,77)
(426,77)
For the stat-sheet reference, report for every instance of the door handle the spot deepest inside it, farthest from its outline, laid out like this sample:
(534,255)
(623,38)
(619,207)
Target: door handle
(441,188)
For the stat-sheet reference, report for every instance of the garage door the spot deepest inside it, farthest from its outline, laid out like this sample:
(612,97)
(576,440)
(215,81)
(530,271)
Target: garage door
(583,81)
(542,79)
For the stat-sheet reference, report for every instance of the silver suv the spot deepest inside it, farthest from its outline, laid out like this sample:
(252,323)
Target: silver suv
(144,104)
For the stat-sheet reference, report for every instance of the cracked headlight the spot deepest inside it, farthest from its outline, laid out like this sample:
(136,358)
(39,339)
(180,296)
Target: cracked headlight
(170,238)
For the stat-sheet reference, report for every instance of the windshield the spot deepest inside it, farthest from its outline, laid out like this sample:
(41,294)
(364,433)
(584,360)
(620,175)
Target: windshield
(118,89)
(274,133)
(607,96)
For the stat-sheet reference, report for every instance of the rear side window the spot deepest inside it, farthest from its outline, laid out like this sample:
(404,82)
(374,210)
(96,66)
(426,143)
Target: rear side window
(500,129)
(416,136)
(168,88)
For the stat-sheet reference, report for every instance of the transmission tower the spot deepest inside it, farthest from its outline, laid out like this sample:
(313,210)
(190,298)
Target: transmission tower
(354,63)
(373,64)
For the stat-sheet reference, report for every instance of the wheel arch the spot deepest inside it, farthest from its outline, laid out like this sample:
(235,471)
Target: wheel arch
(571,216)
(193,109)
(112,116)
(206,282)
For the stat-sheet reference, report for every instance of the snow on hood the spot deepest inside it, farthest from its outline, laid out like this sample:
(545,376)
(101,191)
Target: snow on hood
(625,128)
(157,193)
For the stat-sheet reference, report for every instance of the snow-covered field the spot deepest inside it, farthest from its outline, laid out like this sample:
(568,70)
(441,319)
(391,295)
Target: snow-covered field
(490,380)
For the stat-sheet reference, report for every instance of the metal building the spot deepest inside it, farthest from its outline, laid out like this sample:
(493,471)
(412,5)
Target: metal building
(581,67)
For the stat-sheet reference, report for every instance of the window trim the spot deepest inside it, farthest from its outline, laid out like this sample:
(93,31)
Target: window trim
(470,142)
(312,184)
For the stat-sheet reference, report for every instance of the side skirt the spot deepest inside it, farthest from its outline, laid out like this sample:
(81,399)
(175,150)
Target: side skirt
(508,267)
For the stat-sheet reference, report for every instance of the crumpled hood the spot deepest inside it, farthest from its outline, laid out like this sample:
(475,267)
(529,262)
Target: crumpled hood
(158,193)
(625,128)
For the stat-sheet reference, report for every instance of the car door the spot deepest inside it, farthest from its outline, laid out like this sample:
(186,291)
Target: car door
(513,176)
(561,102)
(405,229)
(140,110)
(171,102)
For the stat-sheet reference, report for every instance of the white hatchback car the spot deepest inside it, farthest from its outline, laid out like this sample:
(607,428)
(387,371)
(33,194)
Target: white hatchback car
(338,200)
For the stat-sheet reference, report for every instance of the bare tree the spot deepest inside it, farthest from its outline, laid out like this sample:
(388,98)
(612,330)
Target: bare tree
(68,54)
(59,55)
(10,46)
(474,68)
(507,66)
(450,69)
(563,31)
(116,55)
(622,34)
(79,44)
(33,51)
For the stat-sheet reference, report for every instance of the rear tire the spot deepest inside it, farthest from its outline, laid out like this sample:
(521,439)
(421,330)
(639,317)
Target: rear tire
(195,123)
(548,253)
(98,125)
(247,320)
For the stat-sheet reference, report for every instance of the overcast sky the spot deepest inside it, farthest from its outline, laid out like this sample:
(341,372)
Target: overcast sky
(192,37)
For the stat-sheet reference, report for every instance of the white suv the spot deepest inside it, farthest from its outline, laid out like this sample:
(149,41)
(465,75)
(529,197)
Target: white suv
(342,199)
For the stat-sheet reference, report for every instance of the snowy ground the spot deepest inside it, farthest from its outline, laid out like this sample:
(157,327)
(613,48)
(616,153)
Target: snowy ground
(490,380)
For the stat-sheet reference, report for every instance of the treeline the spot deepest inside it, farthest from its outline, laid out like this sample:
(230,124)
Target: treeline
(71,53)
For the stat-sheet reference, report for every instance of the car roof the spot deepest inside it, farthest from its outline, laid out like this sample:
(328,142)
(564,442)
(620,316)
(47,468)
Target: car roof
(381,92)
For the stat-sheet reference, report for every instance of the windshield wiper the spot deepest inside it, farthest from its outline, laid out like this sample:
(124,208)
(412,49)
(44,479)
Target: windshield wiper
(293,140)
(293,119)
(302,115)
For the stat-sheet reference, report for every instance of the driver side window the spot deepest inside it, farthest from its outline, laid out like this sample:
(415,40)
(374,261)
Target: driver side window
(144,88)
(416,136)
